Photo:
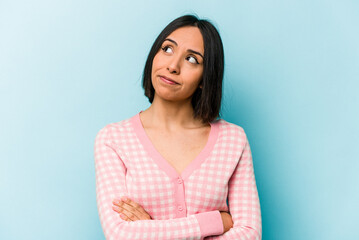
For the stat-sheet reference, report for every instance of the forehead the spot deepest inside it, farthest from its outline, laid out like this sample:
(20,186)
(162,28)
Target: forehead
(188,37)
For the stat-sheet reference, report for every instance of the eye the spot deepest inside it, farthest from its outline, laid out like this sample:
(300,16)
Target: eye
(167,49)
(192,59)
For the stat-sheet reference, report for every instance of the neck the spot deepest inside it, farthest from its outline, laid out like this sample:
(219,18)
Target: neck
(170,115)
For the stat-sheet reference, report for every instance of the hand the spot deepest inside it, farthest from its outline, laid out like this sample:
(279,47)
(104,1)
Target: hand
(227,221)
(130,210)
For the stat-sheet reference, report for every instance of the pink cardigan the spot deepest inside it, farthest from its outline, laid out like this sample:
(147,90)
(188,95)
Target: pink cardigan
(185,206)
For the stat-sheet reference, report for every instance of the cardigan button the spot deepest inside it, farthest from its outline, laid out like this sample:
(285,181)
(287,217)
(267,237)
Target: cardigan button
(179,181)
(180,208)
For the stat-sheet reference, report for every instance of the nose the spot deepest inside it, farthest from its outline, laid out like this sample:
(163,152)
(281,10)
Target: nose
(174,65)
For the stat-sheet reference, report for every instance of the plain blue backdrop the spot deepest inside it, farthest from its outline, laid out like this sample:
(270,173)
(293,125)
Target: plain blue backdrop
(68,68)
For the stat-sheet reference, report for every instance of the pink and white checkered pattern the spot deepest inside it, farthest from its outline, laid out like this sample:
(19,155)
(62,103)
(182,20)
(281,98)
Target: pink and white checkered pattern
(182,206)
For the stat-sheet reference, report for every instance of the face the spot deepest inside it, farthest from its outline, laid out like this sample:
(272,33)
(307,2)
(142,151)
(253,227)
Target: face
(177,67)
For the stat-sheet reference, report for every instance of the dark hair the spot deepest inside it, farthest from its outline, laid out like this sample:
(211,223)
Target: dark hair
(206,101)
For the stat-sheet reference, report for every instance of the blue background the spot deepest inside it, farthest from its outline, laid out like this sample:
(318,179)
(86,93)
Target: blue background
(68,68)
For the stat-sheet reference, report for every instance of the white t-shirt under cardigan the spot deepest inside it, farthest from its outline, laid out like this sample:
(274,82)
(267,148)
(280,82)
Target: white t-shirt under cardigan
(182,206)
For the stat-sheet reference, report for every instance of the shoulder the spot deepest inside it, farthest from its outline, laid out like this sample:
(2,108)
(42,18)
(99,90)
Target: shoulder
(229,127)
(230,131)
(116,130)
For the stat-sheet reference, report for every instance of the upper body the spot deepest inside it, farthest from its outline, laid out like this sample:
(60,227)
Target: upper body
(177,159)
(183,205)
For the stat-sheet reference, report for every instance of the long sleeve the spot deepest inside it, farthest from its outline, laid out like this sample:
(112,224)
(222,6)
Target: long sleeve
(243,201)
(111,183)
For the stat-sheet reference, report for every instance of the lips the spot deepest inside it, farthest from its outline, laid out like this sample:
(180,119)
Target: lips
(168,80)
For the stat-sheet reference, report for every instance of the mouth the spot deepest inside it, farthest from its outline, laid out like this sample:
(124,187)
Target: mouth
(168,80)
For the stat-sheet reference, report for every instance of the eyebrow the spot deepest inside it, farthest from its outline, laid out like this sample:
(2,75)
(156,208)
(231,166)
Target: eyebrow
(189,50)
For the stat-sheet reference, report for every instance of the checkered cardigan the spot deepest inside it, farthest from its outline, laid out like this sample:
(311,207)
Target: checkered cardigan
(182,206)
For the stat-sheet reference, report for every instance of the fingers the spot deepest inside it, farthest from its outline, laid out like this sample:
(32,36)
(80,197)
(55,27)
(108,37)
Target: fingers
(131,210)
(125,214)
(139,211)
(129,213)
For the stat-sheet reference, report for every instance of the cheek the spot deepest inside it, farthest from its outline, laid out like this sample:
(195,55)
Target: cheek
(154,65)
(197,76)
(157,60)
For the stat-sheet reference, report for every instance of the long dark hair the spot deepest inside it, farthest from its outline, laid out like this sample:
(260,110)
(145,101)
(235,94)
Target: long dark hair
(206,101)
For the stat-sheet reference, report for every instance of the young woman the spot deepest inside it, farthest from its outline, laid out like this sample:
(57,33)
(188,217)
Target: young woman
(174,170)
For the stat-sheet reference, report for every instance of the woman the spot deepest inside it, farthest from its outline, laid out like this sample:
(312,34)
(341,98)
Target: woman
(175,171)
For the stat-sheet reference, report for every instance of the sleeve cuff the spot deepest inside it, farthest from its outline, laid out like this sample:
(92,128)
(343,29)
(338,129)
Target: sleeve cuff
(210,223)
